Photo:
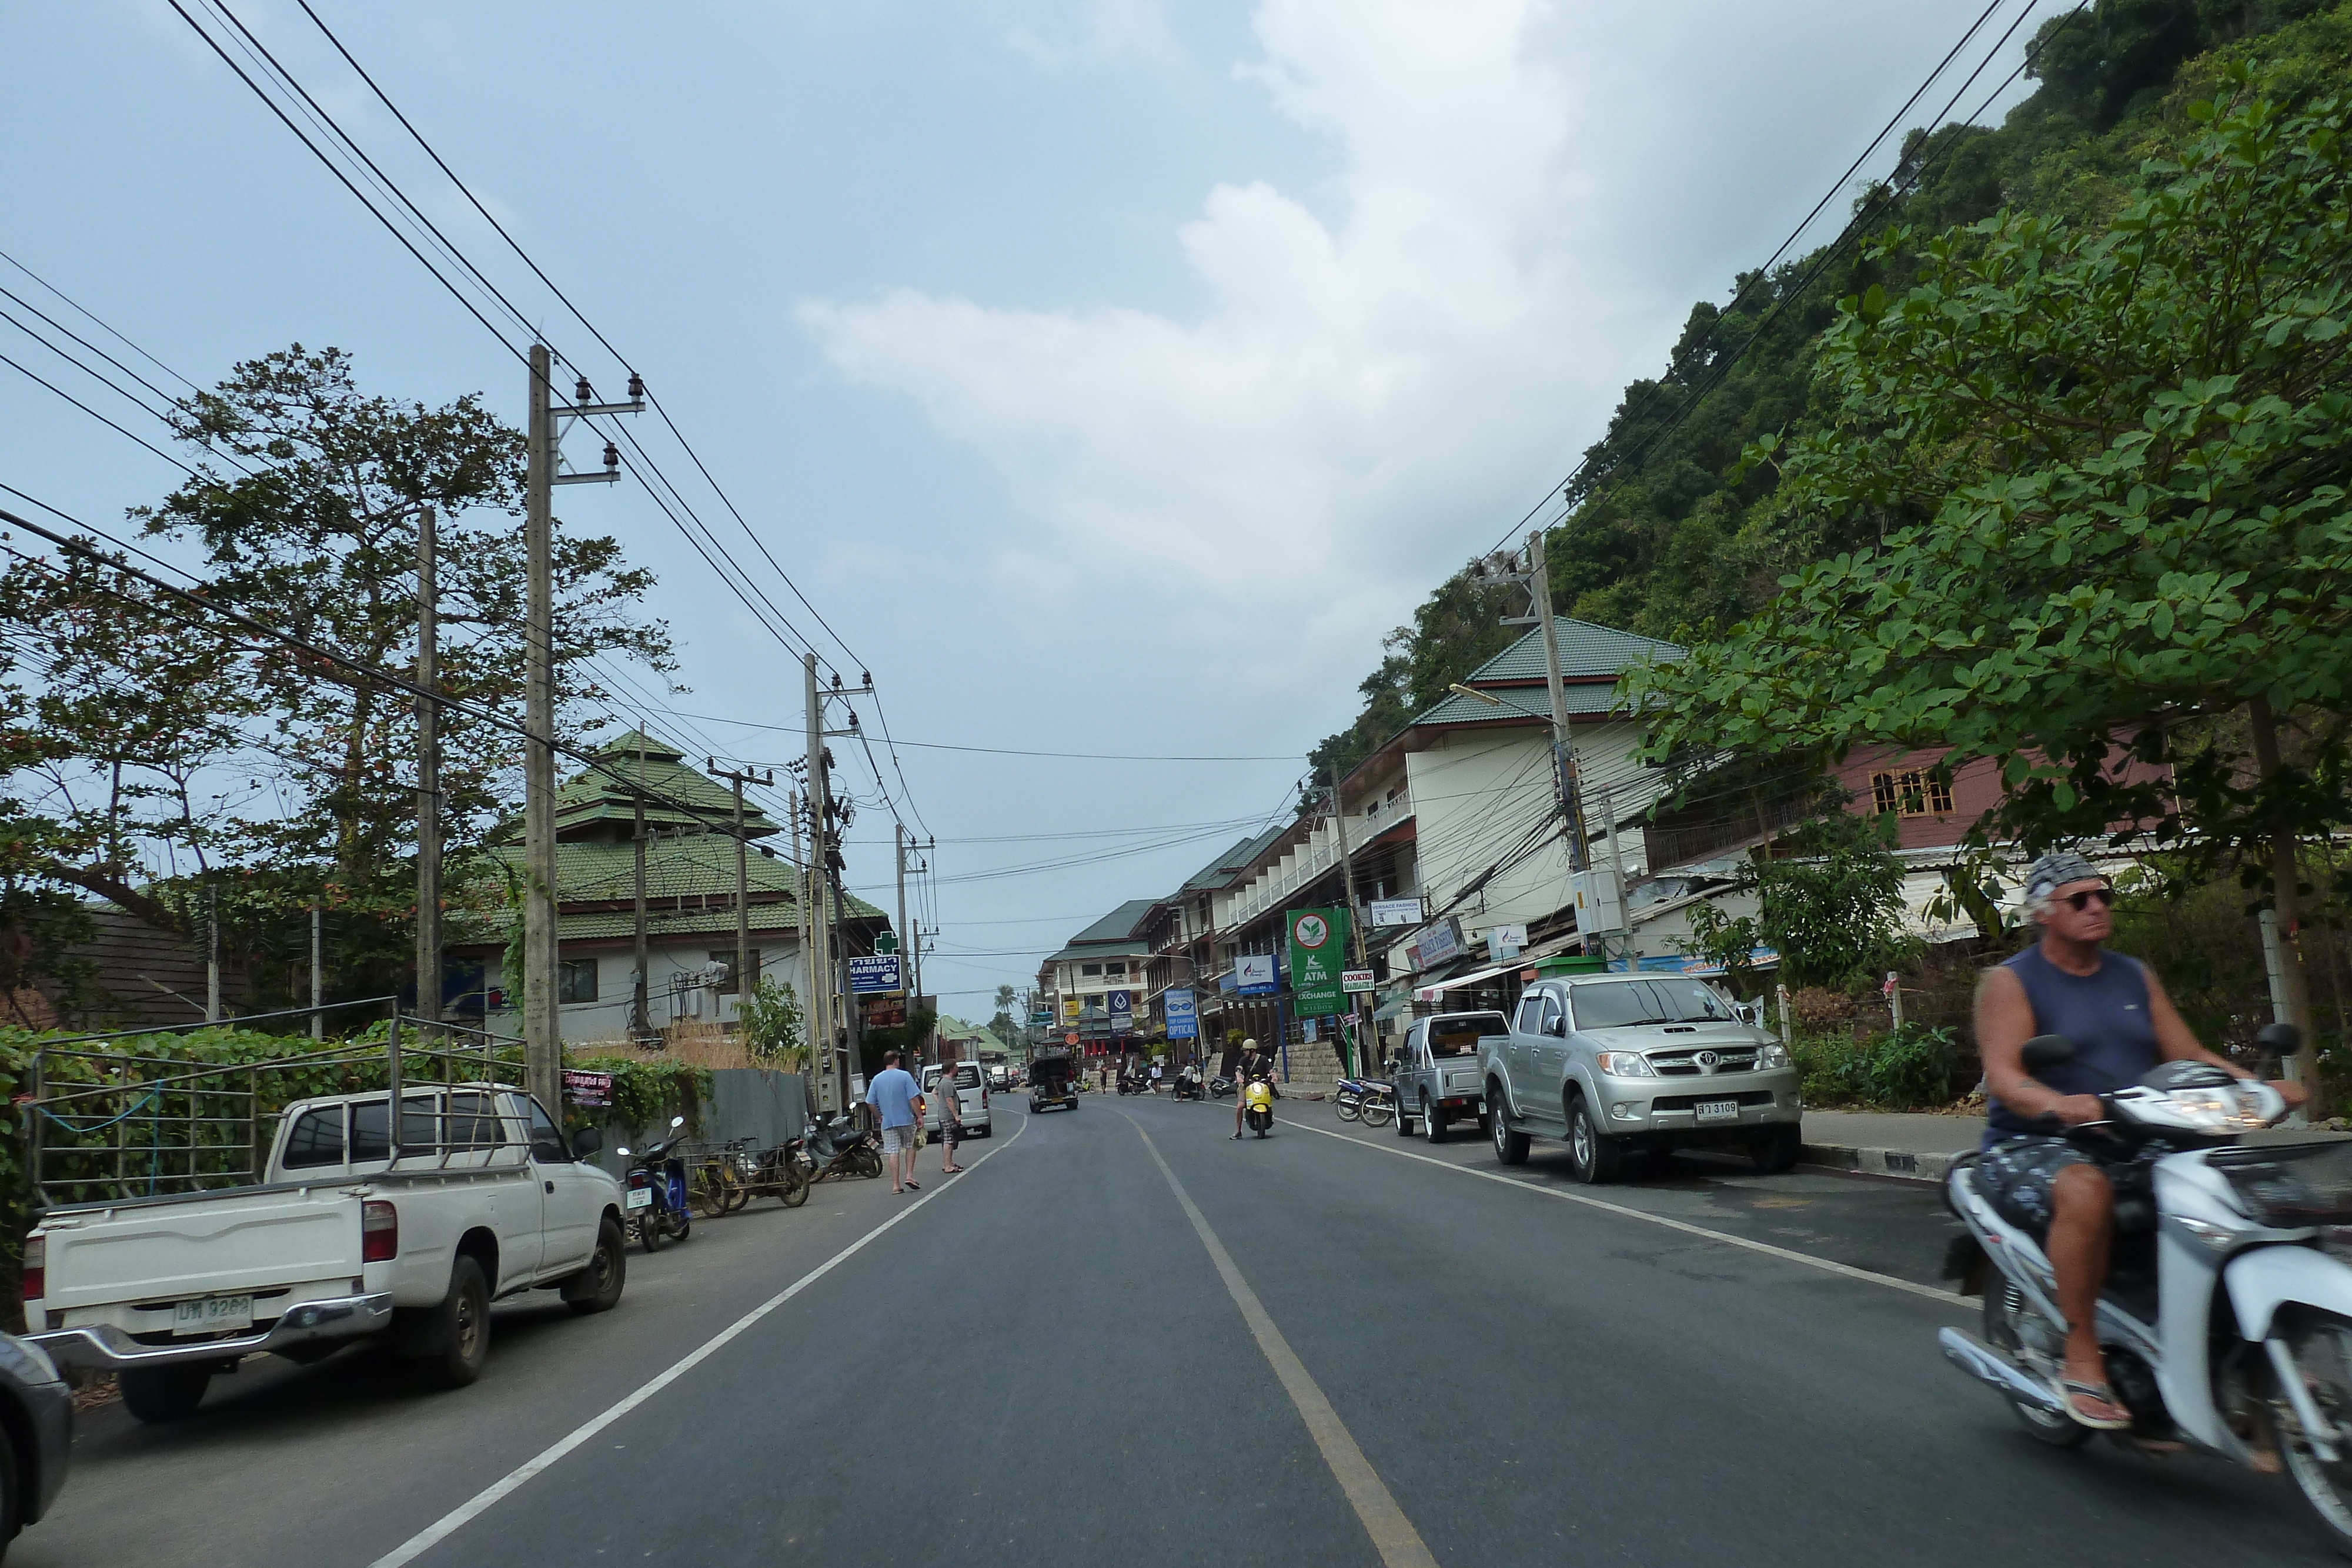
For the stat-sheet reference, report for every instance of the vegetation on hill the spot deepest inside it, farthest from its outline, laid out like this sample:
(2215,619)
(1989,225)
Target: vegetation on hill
(1668,533)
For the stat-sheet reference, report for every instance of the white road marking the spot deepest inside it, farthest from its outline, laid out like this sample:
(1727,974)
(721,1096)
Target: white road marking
(1688,1229)
(1398,1542)
(448,1524)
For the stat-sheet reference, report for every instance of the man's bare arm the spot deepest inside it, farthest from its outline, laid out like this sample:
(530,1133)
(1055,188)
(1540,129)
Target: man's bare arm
(2004,1023)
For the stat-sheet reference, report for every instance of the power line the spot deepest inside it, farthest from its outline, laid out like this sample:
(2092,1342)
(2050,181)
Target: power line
(1001,751)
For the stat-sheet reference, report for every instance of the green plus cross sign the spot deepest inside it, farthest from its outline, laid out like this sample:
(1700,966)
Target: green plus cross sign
(886,942)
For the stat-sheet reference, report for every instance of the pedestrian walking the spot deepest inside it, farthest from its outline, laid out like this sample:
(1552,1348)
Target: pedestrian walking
(951,1118)
(897,1099)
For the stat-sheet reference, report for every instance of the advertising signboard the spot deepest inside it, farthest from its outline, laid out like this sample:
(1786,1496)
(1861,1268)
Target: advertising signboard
(1354,982)
(1254,975)
(1070,1006)
(1505,941)
(878,976)
(1183,1023)
(1040,1018)
(1439,943)
(1122,1011)
(1392,912)
(583,1088)
(1071,1038)
(1318,949)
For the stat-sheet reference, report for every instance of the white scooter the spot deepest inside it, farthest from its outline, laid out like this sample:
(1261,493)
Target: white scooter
(2227,1319)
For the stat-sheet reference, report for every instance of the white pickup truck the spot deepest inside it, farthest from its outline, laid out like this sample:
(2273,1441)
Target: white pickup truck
(344,1236)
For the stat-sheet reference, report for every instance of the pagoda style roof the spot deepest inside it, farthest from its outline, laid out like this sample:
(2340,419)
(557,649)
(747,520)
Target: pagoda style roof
(599,804)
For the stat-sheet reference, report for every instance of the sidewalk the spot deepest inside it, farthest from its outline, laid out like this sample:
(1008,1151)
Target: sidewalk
(1920,1147)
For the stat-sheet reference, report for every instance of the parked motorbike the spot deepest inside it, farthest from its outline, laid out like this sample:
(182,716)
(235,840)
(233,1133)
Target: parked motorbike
(2226,1323)
(655,1191)
(838,1146)
(1369,1100)
(1257,1106)
(1219,1086)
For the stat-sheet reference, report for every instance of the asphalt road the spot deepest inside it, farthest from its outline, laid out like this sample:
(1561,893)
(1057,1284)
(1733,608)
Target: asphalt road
(1364,1351)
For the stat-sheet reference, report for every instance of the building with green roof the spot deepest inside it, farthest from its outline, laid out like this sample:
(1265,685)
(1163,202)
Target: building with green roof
(689,857)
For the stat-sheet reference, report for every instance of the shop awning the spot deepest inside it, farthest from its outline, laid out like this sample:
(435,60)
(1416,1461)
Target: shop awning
(1390,1008)
(1433,992)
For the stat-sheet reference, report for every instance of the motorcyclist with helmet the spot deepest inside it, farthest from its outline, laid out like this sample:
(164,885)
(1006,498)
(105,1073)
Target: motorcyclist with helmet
(2114,1012)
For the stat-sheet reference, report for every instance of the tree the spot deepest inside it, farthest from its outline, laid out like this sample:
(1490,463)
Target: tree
(775,1029)
(1829,902)
(2106,469)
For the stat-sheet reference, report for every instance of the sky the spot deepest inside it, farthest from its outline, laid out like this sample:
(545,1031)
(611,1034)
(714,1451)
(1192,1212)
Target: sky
(1109,376)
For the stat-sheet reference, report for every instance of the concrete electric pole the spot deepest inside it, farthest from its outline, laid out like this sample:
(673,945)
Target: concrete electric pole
(743,976)
(428,770)
(541,1027)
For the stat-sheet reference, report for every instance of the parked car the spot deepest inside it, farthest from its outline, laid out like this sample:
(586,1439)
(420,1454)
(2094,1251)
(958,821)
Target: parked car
(972,1094)
(1436,1073)
(343,1237)
(36,1435)
(1000,1076)
(1620,1062)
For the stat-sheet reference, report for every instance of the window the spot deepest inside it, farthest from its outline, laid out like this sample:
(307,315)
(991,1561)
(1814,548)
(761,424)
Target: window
(474,1122)
(1458,1034)
(1115,969)
(317,1139)
(1612,1004)
(1531,1014)
(1090,968)
(1913,794)
(576,982)
(726,955)
(547,1145)
(419,1127)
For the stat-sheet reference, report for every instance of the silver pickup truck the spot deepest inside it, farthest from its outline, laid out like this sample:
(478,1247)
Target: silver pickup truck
(1619,1062)
(1437,1074)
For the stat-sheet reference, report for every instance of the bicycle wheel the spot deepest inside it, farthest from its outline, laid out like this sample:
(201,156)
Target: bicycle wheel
(1377,1113)
(793,1188)
(708,1191)
(738,1191)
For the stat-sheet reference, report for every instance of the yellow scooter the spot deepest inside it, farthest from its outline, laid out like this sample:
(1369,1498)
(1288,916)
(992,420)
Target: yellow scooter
(1258,1105)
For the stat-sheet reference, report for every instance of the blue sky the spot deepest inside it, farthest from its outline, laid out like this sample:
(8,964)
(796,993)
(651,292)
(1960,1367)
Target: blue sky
(1111,375)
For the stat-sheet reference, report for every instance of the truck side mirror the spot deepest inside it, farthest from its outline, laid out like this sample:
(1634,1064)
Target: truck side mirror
(586,1142)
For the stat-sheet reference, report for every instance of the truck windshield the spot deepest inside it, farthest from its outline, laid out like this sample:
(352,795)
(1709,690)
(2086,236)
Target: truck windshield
(1614,1004)
(1458,1034)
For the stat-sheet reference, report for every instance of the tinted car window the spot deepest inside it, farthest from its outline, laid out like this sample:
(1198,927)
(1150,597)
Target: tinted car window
(1459,1034)
(419,1127)
(474,1122)
(1616,1003)
(547,1144)
(317,1139)
(1531,1014)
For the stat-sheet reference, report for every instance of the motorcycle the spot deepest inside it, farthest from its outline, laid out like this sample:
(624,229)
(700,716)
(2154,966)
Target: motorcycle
(1257,1106)
(1188,1085)
(2226,1322)
(1369,1100)
(1219,1086)
(654,1198)
(838,1146)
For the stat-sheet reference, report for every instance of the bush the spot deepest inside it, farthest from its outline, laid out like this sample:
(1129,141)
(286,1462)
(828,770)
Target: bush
(1912,1069)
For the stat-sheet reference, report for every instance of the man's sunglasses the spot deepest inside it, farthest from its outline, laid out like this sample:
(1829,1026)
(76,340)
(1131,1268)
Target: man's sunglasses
(2078,901)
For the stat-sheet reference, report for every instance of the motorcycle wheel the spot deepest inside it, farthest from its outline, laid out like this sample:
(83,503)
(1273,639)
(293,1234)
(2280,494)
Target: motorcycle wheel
(649,1230)
(868,1164)
(794,1189)
(1350,1106)
(2321,1345)
(2002,1303)
(1379,1113)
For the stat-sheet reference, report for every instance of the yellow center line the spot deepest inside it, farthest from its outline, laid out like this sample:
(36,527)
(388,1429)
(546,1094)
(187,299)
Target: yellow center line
(1399,1543)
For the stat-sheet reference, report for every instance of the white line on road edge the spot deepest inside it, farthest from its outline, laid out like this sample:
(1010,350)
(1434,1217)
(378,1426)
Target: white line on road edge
(1829,1265)
(441,1529)
(1399,1543)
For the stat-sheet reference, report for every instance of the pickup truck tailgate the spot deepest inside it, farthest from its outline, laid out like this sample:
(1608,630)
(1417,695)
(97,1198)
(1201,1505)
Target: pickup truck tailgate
(202,1244)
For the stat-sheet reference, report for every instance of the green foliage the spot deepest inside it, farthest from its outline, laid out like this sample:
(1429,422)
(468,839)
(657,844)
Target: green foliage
(1829,901)
(776,1029)
(1910,1068)
(2110,468)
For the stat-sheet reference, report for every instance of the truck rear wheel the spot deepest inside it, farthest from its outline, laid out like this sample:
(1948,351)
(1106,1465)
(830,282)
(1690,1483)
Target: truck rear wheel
(460,1329)
(163,1393)
(1432,1121)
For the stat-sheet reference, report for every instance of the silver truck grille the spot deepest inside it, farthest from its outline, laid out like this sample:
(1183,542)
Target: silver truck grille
(1688,1063)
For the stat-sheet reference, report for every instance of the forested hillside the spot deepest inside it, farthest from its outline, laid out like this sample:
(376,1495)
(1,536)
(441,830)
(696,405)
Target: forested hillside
(1667,535)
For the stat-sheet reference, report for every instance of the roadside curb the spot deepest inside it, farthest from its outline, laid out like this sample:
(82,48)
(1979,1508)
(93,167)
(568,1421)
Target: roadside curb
(1904,1165)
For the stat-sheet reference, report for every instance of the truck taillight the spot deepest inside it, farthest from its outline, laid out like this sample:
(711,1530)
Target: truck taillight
(379,1231)
(37,1268)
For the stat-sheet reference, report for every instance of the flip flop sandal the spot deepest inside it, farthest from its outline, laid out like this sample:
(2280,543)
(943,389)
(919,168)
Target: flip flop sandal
(914,1187)
(2070,1389)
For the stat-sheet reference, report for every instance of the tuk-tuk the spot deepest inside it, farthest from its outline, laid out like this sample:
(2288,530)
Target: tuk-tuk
(1052,1082)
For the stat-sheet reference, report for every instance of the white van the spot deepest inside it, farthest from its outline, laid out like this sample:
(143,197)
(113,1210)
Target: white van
(972,1094)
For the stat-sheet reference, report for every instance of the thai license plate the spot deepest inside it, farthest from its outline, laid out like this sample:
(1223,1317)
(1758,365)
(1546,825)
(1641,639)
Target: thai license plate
(641,1197)
(1718,1110)
(213,1314)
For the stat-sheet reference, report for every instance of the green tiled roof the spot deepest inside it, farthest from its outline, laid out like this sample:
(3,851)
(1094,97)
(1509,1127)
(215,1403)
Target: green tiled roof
(607,794)
(1220,873)
(1586,653)
(1519,704)
(690,887)
(1116,934)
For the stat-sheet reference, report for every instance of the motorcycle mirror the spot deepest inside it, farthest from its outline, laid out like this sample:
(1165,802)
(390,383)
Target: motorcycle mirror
(625,1151)
(2283,1038)
(676,1122)
(2044,1052)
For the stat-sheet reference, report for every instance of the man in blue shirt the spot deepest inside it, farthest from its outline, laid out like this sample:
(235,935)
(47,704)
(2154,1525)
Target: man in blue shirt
(899,1098)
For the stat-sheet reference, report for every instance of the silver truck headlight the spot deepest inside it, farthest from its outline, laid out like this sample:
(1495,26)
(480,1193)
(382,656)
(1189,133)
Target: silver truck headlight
(1772,1054)
(1626,1064)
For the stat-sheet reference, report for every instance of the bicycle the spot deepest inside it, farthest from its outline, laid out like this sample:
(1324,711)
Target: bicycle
(722,1179)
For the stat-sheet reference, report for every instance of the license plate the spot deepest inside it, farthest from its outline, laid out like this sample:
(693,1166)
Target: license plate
(641,1197)
(214,1314)
(1718,1110)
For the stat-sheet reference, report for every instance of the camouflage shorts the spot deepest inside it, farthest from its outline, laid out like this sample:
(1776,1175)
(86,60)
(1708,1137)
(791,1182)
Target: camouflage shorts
(2018,1175)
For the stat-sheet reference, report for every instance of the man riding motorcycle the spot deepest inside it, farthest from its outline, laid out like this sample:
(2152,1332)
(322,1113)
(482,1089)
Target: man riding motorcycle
(1248,1070)
(2122,1024)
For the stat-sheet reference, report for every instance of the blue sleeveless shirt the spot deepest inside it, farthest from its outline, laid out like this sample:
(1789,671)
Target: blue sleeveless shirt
(2105,1013)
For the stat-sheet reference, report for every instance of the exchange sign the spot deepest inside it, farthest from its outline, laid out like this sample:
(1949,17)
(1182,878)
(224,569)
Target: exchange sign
(1318,949)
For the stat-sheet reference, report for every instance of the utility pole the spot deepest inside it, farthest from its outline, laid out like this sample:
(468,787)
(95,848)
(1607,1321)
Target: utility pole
(212,952)
(906,958)
(826,857)
(640,1022)
(742,881)
(1563,752)
(1355,917)
(818,915)
(318,979)
(541,1029)
(428,770)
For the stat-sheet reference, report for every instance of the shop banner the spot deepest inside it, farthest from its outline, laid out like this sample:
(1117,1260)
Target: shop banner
(1318,952)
